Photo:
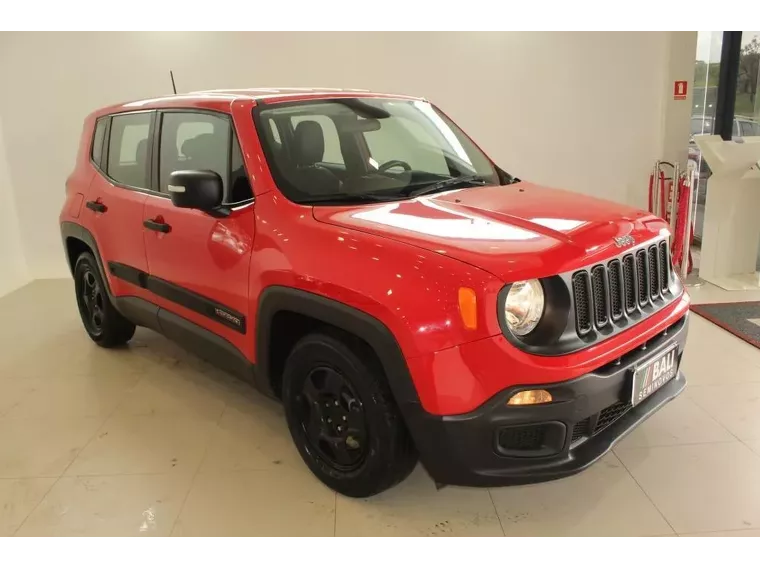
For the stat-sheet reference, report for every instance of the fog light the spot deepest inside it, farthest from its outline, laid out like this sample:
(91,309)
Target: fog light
(530,397)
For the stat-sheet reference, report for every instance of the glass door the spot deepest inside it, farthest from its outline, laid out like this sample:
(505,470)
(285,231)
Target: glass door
(747,107)
(746,119)
(706,75)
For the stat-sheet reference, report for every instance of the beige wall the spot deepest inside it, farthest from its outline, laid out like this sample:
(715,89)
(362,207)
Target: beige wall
(13,271)
(676,115)
(584,111)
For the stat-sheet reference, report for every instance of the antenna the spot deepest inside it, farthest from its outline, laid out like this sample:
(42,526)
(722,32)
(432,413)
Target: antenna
(174,87)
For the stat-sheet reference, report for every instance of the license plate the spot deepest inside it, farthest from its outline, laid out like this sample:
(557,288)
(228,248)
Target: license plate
(650,376)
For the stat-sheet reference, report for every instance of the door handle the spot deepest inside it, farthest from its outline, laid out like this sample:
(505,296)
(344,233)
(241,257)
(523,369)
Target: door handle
(157,226)
(96,206)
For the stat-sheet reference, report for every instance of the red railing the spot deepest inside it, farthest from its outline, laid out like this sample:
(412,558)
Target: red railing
(676,208)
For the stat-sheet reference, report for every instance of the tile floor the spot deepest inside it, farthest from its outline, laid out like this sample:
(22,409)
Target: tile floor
(151,441)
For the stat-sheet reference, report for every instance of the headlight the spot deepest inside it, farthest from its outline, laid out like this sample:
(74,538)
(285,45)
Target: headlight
(524,306)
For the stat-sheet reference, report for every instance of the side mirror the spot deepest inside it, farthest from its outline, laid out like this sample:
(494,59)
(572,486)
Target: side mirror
(196,189)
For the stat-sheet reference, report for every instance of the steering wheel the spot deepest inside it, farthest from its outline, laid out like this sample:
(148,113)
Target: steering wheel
(394,163)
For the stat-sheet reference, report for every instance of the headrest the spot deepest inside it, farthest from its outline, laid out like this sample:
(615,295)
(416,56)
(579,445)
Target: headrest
(198,146)
(141,152)
(309,143)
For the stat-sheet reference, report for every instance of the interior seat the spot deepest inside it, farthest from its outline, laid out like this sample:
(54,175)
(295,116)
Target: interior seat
(134,175)
(205,152)
(308,176)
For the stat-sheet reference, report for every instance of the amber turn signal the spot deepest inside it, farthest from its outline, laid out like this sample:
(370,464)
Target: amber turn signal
(530,397)
(468,308)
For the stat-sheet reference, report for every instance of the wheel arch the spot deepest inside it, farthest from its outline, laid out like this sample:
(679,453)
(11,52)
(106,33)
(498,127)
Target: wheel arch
(77,239)
(321,311)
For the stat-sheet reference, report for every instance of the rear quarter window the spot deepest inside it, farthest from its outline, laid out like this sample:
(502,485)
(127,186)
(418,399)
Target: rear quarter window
(96,152)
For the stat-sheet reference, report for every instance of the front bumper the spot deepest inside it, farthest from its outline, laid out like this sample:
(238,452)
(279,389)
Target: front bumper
(500,445)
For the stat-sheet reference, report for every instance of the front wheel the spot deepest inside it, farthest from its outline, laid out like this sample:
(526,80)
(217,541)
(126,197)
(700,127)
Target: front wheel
(105,326)
(342,417)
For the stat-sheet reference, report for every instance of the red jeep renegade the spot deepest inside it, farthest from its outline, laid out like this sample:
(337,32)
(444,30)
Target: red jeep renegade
(359,257)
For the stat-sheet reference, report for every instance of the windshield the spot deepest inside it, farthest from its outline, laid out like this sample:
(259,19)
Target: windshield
(367,149)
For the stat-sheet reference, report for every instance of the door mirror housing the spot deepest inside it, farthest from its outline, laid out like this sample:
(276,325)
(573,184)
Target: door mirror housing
(197,189)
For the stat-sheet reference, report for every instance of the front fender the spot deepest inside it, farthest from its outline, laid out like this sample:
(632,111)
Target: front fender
(371,330)
(414,292)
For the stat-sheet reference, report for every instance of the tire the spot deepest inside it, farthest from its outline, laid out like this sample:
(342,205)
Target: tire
(103,323)
(377,452)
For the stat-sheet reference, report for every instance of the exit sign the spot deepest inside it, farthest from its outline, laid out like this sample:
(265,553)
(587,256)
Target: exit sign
(679,90)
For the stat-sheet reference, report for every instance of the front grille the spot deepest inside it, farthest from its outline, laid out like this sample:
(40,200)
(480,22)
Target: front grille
(600,421)
(610,415)
(641,275)
(580,430)
(600,295)
(664,274)
(629,281)
(616,289)
(582,303)
(605,292)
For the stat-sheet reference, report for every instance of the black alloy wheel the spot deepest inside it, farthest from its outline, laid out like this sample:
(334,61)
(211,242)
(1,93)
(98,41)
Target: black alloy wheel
(92,299)
(332,417)
(102,321)
(342,416)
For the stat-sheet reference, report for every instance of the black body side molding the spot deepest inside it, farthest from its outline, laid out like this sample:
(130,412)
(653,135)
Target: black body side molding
(179,295)
(128,274)
(197,340)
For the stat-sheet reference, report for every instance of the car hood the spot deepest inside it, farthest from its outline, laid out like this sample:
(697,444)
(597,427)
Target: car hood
(514,232)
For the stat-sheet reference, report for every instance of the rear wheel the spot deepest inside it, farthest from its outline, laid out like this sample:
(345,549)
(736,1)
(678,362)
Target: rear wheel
(342,417)
(105,326)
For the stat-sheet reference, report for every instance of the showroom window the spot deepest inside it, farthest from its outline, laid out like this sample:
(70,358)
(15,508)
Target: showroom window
(746,106)
(706,75)
(128,149)
(203,141)
(726,82)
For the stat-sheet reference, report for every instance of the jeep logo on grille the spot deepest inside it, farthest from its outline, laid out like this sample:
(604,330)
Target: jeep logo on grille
(625,241)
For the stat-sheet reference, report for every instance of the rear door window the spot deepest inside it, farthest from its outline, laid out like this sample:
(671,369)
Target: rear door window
(128,159)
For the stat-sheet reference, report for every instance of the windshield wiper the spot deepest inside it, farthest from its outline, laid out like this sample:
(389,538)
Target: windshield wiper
(447,183)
